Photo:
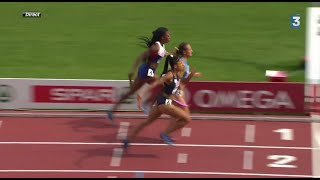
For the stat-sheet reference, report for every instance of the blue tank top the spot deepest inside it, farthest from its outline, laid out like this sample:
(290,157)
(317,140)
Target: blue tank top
(184,74)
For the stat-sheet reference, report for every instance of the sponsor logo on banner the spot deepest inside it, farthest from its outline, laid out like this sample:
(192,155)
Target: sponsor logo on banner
(246,97)
(75,94)
(7,93)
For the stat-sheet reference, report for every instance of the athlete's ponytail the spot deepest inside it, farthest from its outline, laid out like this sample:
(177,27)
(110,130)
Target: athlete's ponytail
(172,60)
(156,36)
(181,48)
(165,67)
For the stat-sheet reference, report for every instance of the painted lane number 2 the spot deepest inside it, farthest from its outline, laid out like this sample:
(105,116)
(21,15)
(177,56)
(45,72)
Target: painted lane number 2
(282,161)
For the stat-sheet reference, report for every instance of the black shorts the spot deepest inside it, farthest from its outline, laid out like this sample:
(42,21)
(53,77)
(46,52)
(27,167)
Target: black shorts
(163,100)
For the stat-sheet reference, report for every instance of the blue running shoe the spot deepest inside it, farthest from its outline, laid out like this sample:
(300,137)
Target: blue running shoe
(146,108)
(125,143)
(166,138)
(110,115)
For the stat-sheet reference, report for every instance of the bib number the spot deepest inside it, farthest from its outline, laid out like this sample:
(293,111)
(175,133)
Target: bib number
(168,101)
(150,73)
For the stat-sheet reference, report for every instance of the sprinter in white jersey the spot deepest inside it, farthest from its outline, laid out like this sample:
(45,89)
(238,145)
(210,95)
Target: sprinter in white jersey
(147,62)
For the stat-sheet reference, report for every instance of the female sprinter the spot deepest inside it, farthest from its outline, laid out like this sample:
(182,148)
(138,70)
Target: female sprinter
(170,82)
(146,72)
(184,52)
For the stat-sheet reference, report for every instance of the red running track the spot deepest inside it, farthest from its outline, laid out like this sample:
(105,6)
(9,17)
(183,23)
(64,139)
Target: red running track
(85,147)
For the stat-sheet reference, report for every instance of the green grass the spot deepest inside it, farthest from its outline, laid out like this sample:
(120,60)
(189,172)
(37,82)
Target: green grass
(231,41)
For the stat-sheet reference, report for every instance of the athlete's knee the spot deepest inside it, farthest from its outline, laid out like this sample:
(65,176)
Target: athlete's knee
(147,122)
(186,109)
(182,122)
(186,119)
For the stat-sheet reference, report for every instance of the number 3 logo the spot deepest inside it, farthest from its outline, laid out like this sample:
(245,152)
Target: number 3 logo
(296,21)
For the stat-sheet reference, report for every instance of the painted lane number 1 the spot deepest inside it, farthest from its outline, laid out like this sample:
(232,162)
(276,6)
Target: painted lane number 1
(285,134)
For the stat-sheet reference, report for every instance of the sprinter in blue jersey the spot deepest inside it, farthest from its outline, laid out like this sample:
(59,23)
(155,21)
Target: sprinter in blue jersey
(184,52)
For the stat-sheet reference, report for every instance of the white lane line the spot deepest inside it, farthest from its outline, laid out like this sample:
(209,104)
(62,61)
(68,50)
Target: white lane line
(315,135)
(182,158)
(112,177)
(250,133)
(0,124)
(156,172)
(123,130)
(143,116)
(186,132)
(248,160)
(116,157)
(154,144)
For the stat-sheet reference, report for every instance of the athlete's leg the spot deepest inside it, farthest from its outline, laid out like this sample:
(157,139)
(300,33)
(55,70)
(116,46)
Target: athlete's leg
(182,103)
(182,118)
(176,113)
(150,99)
(181,99)
(154,114)
(137,84)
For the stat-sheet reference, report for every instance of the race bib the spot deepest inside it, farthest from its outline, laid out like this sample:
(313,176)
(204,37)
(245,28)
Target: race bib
(150,73)
(168,101)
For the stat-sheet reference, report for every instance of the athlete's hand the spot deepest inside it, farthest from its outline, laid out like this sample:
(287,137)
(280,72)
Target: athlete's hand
(139,102)
(130,76)
(193,72)
(197,74)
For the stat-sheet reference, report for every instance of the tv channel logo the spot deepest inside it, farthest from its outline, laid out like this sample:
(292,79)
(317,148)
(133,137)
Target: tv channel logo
(31,14)
(295,21)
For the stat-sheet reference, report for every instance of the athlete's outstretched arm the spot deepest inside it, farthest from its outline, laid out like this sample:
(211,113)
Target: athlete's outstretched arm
(186,80)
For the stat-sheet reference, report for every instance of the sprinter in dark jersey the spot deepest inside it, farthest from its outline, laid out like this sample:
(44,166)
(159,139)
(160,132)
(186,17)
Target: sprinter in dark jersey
(170,82)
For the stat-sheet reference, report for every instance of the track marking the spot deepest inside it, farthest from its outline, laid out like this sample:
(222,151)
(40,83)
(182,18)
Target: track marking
(116,157)
(186,132)
(315,135)
(112,177)
(285,134)
(157,172)
(123,130)
(1,124)
(182,158)
(154,144)
(250,133)
(248,160)
(281,161)
(142,116)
